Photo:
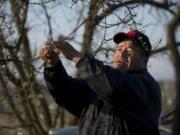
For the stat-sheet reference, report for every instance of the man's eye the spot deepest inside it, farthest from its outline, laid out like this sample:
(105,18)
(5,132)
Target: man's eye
(119,49)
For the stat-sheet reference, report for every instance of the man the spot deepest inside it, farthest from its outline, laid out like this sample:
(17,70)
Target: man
(120,100)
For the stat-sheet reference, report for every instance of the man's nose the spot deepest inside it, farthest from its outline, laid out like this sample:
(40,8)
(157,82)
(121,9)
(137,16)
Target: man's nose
(124,53)
(121,54)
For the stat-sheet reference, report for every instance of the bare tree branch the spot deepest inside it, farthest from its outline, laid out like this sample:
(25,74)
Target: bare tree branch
(42,3)
(50,35)
(165,48)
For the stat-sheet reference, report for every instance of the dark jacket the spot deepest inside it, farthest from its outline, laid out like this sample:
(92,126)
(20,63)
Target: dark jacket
(107,101)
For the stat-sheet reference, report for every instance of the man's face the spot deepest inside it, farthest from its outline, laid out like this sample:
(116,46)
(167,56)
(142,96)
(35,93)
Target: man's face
(128,57)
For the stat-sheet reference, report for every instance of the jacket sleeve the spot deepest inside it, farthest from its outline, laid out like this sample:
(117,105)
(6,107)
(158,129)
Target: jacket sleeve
(102,79)
(71,93)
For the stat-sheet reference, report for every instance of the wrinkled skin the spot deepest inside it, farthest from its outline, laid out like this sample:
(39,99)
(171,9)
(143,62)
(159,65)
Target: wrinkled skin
(128,57)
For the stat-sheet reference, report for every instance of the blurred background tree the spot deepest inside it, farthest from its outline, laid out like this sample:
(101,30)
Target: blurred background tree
(25,105)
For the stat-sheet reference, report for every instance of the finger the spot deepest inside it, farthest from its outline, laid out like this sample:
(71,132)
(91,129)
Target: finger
(50,58)
(47,49)
(56,51)
(51,53)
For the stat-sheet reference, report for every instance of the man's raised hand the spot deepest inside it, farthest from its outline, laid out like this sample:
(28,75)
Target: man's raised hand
(49,54)
(67,50)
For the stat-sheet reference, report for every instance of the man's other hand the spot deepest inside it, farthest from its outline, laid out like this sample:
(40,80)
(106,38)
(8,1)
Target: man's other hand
(67,50)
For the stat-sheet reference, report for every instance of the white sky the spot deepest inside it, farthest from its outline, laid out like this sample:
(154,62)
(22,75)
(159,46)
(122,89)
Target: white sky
(63,18)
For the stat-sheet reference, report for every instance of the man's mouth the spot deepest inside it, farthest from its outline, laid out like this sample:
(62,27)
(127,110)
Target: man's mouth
(121,61)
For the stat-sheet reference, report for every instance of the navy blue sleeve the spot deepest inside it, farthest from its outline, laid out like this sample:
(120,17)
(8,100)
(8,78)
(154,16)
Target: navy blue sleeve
(102,79)
(71,93)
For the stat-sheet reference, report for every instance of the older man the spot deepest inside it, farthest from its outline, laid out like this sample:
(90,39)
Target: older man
(122,99)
